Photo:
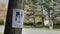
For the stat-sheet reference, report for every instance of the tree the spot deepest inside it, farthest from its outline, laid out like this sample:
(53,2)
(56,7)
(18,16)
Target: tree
(15,4)
(48,5)
(31,7)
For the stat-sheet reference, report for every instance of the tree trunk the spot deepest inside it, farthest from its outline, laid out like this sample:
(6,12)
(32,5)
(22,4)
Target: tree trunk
(42,21)
(50,20)
(13,4)
(34,22)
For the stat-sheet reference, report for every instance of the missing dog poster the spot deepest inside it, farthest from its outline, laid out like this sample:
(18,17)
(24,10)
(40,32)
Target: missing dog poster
(18,18)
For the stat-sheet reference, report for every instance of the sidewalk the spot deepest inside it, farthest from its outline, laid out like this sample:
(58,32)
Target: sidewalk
(40,31)
(1,29)
(34,31)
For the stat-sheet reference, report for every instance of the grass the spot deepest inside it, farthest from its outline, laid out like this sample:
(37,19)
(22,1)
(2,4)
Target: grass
(56,27)
(41,27)
(28,26)
(0,33)
(1,22)
(31,26)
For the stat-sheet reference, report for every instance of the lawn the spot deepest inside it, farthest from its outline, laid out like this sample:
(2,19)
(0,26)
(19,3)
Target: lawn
(0,33)
(38,27)
(41,27)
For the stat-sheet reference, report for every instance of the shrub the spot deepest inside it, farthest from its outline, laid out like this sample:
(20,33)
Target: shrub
(56,22)
(1,22)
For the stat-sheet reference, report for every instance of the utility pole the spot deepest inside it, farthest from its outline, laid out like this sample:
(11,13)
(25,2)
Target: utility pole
(13,4)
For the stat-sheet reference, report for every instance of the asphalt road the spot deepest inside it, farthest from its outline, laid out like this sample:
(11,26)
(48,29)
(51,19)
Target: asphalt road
(35,31)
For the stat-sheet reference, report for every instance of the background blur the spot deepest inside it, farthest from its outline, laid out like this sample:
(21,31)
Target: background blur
(38,13)
(41,14)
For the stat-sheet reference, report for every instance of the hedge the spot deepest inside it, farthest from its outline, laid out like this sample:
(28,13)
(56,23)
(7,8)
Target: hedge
(1,22)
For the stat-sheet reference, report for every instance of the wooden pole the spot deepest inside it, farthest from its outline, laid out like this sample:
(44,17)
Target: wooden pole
(13,4)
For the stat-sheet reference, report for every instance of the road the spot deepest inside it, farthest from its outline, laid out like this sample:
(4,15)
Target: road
(40,31)
(35,31)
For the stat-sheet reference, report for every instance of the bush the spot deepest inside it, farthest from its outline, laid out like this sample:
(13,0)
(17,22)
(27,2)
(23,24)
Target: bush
(56,22)
(1,22)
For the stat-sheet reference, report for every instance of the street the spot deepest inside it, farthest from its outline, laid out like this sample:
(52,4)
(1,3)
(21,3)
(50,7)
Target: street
(35,31)
(40,31)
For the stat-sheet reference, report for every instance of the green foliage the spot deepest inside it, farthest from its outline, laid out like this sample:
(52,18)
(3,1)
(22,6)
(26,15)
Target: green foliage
(1,22)
(30,6)
(57,14)
(56,27)
(56,22)
(0,33)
